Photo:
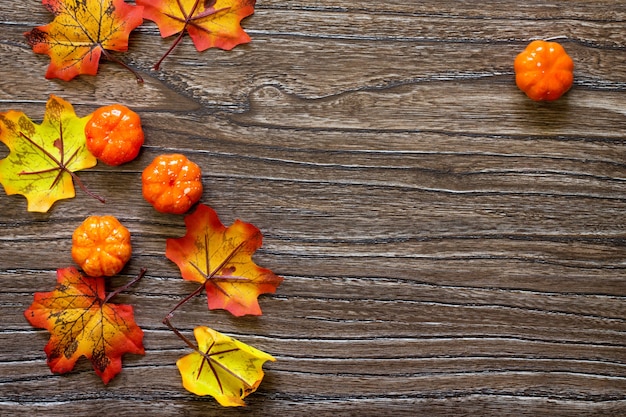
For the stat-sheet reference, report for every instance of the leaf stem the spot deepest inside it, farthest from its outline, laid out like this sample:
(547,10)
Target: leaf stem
(181,336)
(84,187)
(127,286)
(183,301)
(179,38)
(111,58)
(189,17)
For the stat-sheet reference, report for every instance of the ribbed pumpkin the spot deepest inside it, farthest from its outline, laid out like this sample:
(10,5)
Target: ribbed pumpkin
(544,71)
(172,183)
(101,246)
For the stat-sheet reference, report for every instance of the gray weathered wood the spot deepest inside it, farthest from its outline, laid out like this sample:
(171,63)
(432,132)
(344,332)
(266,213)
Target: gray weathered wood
(449,247)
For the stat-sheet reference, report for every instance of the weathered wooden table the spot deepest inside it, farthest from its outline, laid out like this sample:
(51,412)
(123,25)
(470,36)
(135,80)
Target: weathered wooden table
(449,247)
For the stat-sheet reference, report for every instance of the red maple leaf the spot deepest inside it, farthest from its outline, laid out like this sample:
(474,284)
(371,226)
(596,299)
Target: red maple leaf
(82,322)
(220,258)
(210,23)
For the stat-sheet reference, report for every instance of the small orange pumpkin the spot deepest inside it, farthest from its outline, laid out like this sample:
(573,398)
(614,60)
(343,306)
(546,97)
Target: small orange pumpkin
(114,134)
(172,183)
(101,246)
(544,71)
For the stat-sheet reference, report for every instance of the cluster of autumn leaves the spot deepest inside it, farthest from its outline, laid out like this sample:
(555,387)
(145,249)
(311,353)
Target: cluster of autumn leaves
(84,30)
(43,159)
(77,313)
(41,166)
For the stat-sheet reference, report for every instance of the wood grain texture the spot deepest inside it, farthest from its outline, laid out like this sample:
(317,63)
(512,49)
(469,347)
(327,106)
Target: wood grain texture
(449,247)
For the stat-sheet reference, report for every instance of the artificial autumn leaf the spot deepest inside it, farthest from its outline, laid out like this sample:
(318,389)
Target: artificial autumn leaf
(220,258)
(227,369)
(210,23)
(82,322)
(43,158)
(82,31)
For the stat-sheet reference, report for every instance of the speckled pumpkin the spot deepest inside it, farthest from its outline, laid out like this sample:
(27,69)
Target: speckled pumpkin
(544,71)
(172,183)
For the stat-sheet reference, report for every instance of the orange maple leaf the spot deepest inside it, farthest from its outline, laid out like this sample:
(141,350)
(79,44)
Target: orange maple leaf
(82,322)
(81,32)
(220,258)
(210,23)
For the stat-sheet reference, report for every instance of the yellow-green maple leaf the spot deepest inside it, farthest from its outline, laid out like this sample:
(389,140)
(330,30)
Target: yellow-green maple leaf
(43,157)
(227,369)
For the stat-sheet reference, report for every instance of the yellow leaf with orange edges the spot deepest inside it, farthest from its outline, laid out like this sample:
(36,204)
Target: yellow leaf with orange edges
(83,30)
(223,367)
(220,257)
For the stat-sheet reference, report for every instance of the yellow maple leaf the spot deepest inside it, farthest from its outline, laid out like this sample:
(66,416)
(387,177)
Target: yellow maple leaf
(223,367)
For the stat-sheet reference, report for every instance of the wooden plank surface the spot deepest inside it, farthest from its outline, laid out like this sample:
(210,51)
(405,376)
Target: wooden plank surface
(449,247)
